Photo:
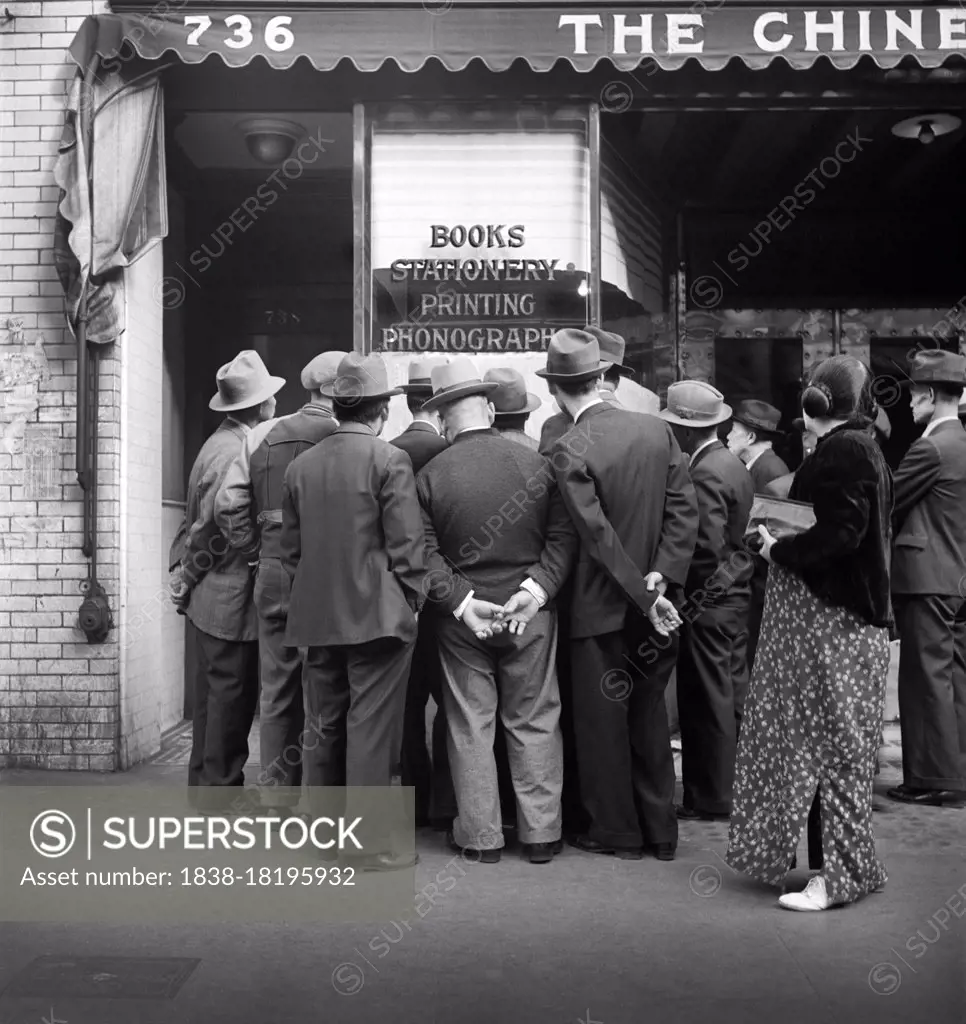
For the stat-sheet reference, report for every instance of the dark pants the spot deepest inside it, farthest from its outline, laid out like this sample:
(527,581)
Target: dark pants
(576,821)
(712,684)
(430,777)
(282,714)
(225,681)
(932,690)
(623,738)
(756,608)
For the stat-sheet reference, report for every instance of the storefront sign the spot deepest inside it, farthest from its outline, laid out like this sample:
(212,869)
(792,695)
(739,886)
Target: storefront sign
(474,301)
(713,31)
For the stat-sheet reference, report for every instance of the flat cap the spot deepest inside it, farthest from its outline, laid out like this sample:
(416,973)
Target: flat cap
(322,370)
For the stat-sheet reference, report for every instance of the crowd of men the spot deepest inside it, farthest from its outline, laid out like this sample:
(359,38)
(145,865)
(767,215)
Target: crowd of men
(541,592)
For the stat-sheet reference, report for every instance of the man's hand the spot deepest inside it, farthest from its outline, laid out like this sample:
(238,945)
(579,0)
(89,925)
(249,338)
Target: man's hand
(655,581)
(664,616)
(484,618)
(179,589)
(519,610)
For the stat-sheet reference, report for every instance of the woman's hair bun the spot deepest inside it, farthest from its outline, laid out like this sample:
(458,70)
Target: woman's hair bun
(817,400)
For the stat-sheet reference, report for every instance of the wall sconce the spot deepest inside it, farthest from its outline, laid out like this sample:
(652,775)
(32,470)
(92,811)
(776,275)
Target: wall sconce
(926,127)
(270,140)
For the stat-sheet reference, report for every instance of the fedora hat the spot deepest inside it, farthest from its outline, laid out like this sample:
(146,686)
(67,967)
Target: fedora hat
(360,378)
(758,416)
(573,356)
(244,383)
(321,371)
(693,403)
(420,376)
(511,397)
(612,347)
(938,368)
(457,379)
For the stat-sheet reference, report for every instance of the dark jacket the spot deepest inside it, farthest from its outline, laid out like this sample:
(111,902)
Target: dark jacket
(421,443)
(725,493)
(844,558)
(248,509)
(222,585)
(779,487)
(492,516)
(352,541)
(626,485)
(767,467)
(930,515)
(554,428)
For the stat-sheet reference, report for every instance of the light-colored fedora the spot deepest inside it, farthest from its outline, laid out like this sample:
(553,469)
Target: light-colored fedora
(420,380)
(693,403)
(244,383)
(322,371)
(457,379)
(511,397)
(360,378)
(612,347)
(573,356)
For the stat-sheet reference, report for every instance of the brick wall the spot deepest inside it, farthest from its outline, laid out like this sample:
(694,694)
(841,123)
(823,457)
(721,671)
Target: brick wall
(58,694)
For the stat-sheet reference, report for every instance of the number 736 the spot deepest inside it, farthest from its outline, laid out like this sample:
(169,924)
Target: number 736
(278,36)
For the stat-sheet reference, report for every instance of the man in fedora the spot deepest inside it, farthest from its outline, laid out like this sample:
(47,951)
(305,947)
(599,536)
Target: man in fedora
(625,483)
(497,536)
(512,405)
(612,348)
(712,676)
(929,587)
(248,511)
(422,440)
(352,543)
(212,585)
(754,429)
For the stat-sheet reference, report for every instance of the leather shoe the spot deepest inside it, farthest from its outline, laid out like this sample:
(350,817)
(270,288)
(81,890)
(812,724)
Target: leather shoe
(382,861)
(544,853)
(690,814)
(589,845)
(473,855)
(663,851)
(928,797)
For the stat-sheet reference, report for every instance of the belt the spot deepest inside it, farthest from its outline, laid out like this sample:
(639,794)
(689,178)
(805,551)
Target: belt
(271,516)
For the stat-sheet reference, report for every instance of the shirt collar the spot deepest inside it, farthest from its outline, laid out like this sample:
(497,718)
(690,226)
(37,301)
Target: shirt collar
(930,427)
(430,426)
(765,446)
(590,404)
(701,447)
(471,430)
(246,429)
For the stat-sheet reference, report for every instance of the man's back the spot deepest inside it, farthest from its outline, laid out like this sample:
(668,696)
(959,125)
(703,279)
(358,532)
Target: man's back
(766,468)
(421,442)
(624,479)
(553,429)
(352,540)
(493,506)
(930,514)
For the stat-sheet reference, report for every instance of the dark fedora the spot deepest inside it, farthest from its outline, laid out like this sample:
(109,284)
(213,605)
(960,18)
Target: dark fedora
(760,417)
(359,379)
(420,376)
(573,356)
(938,368)
(511,397)
(457,379)
(612,347)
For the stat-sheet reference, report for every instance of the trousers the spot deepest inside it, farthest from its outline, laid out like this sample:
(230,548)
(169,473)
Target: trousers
(225,681)
(624,756)
(514,675)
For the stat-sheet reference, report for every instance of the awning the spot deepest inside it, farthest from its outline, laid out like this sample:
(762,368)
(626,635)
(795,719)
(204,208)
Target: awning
(456,33)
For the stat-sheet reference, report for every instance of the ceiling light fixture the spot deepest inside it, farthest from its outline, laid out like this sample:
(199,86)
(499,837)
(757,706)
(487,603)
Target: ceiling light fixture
(270,140)
(926,127)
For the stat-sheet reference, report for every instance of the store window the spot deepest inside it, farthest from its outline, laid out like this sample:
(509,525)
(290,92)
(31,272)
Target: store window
(479,226)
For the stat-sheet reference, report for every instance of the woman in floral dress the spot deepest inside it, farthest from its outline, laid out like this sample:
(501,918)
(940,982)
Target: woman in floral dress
(817,696)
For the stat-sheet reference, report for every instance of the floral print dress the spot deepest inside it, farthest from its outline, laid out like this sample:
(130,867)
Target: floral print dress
(813,721)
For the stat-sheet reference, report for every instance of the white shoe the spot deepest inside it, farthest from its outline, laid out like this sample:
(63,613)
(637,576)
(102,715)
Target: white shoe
(813,897)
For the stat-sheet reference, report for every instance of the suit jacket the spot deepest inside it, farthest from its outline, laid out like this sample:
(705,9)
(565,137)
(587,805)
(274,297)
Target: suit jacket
(520,436)
(930,515)
(767,467)
(626,486)
(632,397)
(221,602)
(554,428)
(421,443)
(352,541)
(492,516)
(725,493)
(779,487)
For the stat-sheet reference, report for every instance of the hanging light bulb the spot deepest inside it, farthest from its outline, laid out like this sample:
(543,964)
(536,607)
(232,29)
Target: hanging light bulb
(926,128)
(926,134)
(583,289)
